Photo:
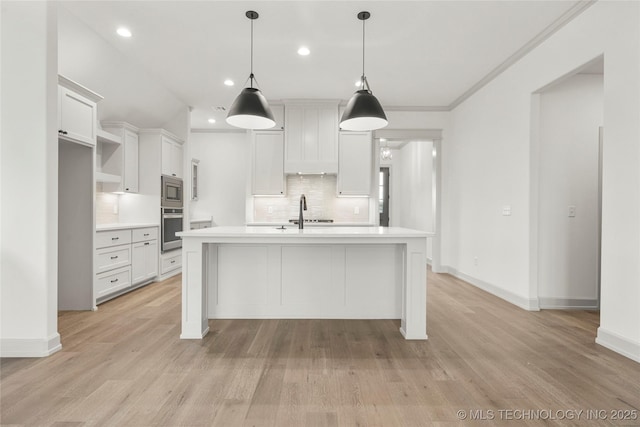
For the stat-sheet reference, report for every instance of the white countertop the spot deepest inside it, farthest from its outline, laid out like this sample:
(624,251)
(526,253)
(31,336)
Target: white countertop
(294,232)
(311,224)
(123,226)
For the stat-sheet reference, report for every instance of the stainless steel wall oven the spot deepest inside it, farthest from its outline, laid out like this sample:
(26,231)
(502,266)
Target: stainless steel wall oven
(171,224)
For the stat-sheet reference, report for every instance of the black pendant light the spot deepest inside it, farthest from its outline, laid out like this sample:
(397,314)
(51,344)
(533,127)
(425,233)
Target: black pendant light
(363,111)
(250,110)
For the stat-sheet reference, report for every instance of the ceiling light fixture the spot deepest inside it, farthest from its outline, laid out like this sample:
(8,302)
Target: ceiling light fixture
(250,110)
(123,32)
(304,51)
(363,111)
(229,82)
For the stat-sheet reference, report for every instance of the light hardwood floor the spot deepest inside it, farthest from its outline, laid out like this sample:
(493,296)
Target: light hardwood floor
(125,365)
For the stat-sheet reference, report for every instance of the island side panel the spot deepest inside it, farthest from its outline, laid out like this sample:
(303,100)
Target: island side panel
(194,290)
(415,296)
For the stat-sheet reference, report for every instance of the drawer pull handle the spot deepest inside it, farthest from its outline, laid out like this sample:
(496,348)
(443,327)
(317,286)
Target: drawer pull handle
(115,238)
(146,234)
(146,244)
(173,261)
(114,257)
(114,280)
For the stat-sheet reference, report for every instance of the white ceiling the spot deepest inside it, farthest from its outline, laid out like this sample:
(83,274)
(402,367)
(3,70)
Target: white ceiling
(418,53)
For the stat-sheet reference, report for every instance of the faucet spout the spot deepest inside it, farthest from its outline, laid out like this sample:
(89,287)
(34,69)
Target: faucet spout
(303,206)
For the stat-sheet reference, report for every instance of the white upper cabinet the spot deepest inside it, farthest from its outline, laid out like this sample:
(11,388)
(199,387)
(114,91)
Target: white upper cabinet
(171,157)
(354,175)
(77,112)
(311,137)
(278,115)
(119,159)
(267,160)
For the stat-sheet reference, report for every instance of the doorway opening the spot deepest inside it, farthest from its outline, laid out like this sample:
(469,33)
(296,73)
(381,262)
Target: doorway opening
(383,196)
(567,190)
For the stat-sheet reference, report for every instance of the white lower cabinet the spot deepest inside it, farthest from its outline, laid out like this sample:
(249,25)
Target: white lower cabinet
(171,262)
(125,258)
(144,262)
(113,281)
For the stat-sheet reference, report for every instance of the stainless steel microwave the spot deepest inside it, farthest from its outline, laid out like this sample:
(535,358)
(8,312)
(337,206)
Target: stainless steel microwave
(172,192)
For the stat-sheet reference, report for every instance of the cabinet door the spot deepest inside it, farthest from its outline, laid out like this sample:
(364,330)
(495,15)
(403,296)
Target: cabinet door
(138,263)
(76,117)
(151,260)
(167,152)
(176,160)
(144,262)
(130,170)
(268,163)
(354,174)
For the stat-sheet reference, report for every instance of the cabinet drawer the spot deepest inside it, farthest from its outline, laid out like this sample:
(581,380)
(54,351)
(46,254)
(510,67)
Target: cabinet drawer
(113,281)
(171,263)
(142,234)
(112,258)
(112,238)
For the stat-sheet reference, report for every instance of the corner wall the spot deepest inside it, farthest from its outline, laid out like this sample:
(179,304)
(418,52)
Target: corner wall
(29,194)
(487,166)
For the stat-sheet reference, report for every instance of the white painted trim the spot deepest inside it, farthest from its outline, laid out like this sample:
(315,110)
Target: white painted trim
(427,108)
(619,344)
(568,303)
(205,130)
(530,304)
(408,134)
(30,347)
(550,30)
(79,89)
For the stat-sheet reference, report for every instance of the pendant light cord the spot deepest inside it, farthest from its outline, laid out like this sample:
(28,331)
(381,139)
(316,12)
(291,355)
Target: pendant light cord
(363,50)
(251,75)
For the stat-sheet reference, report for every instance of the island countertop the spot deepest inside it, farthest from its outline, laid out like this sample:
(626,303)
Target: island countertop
(311,232)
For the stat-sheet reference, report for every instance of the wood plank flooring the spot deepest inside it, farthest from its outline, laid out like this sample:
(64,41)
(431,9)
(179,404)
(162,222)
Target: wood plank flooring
(125,365)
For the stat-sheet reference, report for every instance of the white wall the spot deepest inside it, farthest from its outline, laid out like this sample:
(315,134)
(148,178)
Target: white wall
(487,165)
(225,159)
(29,194)
(570,115)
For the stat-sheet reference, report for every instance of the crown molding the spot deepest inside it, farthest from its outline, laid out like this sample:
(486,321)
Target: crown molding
(551,29)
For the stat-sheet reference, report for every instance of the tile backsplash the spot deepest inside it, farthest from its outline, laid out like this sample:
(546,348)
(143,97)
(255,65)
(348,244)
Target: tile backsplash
(106,208)
(322,202)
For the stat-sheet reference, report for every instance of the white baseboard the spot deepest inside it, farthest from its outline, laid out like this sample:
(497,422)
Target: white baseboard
(568,304)
(529,304)
(29,347)
(619,344)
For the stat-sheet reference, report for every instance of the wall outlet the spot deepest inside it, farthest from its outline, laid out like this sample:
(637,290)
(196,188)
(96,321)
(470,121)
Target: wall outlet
(572,211)
(115,208)
(506,210)
(270,209)
(356,210)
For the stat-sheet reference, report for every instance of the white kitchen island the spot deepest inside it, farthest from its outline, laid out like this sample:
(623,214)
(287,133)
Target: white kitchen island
(328,272)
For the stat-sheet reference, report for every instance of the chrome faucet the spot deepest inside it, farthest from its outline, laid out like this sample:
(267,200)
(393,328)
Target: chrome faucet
(303,205)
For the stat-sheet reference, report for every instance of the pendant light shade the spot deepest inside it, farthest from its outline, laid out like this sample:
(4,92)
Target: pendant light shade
(250,110)
(363,111)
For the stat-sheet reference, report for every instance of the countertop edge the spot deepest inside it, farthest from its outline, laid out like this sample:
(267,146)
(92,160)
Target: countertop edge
(124,226)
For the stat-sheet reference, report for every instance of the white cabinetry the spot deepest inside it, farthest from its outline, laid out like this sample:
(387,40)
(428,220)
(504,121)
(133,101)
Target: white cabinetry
(354,174)
(171,157)
(77,112)
(119,160)
(124,259)
(311,137)
(268,163)
(144,261)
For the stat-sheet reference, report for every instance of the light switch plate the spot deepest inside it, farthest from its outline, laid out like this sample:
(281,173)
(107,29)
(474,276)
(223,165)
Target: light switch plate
(506,210)
(572,211)
(356,210)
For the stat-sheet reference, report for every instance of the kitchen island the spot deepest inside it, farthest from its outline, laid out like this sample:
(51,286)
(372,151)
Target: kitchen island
(325,272)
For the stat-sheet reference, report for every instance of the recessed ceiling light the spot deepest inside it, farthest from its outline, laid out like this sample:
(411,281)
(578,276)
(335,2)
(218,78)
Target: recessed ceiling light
(124,32)
(211,120)
(383,140)
(229,82)
(359,83)
(304,51)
